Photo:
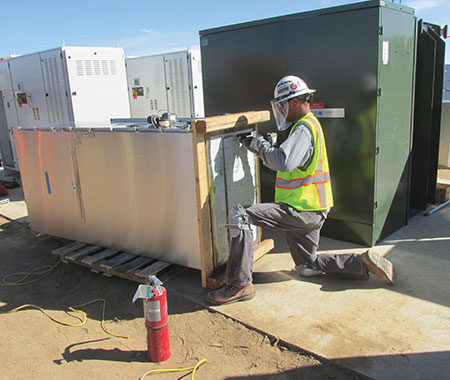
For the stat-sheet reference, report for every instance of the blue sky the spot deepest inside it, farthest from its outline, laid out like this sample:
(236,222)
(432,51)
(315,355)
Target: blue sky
(150,26)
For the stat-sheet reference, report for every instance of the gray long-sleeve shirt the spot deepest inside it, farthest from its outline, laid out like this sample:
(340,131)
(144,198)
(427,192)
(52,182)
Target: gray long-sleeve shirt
(295,152)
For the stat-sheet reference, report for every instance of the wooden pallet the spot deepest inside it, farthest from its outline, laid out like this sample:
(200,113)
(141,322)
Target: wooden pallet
(111,262)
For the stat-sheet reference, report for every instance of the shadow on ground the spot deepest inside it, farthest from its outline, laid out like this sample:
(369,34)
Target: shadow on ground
(22,251)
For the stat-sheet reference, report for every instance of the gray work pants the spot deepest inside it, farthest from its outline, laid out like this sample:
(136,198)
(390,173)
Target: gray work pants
(302,232)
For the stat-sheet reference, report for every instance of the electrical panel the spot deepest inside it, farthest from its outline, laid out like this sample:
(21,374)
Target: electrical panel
(361,60)
(66,87)
(8,116)
(170,82)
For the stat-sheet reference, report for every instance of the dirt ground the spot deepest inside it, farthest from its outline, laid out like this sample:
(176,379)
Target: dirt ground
(34,347)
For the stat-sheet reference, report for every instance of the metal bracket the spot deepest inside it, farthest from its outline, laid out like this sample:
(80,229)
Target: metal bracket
(240,226)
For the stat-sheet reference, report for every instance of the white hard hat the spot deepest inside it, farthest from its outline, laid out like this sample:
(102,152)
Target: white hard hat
(287,88)
(290,87)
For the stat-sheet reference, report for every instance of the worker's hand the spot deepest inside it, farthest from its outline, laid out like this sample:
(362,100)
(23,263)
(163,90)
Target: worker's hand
(246,141)
(271,138)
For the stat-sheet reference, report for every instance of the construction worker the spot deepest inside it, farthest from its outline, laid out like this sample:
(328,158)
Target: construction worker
(303,198)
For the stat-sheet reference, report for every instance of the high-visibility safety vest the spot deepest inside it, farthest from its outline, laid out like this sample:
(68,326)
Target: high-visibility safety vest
(309,189)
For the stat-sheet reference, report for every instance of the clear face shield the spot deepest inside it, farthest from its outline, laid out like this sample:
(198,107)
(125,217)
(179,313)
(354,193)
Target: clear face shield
(280,110)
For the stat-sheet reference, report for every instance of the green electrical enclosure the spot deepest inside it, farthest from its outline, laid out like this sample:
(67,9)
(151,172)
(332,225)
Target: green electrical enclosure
(361,60)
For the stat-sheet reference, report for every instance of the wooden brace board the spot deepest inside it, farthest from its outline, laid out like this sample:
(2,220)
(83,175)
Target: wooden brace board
(200,130)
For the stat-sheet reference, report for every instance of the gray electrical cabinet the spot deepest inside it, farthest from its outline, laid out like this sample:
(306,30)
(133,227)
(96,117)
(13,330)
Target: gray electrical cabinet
(361,60)
(170,82)
(65,87)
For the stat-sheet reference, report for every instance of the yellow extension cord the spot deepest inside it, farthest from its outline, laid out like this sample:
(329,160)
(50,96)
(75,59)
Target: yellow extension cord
(46,271)
(72,308)
(193,369)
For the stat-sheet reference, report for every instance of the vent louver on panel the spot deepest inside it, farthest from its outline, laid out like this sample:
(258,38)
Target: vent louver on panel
(96,67)
(105,67)
(80,67)
(112,65)
(97,70)
(53,85)
(88,65)
(177,97)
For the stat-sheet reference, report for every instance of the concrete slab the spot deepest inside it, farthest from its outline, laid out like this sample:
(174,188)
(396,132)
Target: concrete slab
(381,331)
(384,332)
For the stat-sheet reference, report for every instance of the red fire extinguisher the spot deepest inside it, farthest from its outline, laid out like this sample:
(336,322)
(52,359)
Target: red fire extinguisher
(157,323)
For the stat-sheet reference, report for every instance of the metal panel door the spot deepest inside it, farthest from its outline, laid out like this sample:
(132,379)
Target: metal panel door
(196,84)
(5,145)
(139,193)
(50,186)
(8,148)
(56,88)
(29,91)
(427,116)
(98,85)
(8,95)
(177,80)
(341,65)
(396,69)
(146,85)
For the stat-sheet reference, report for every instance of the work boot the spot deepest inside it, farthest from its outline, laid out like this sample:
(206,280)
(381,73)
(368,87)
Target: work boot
(231,293)
(306,270)
(379,266)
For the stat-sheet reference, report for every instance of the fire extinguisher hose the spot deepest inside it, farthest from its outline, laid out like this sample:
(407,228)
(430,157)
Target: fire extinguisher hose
(72,308)
(193,369)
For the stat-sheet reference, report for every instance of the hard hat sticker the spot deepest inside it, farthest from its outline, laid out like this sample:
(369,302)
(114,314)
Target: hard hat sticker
(282,90)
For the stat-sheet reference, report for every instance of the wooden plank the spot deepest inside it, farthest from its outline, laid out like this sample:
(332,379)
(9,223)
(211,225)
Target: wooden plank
(217,279)
(124,265)
(62,251)
(134,264)
(83,252)
(152,269)
(236,120)
(117,260)
(443,183)
(262,248)
(203,205)
(105,254)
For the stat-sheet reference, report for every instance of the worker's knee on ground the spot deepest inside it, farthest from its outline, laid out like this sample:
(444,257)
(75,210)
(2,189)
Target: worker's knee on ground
(238,220)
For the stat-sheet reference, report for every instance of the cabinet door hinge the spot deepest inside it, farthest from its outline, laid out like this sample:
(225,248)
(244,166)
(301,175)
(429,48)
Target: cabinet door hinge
(380,30)
(375,204)
(379,92)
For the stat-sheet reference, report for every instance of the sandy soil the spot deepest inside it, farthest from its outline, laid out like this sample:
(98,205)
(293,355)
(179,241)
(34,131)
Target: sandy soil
(34,347)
